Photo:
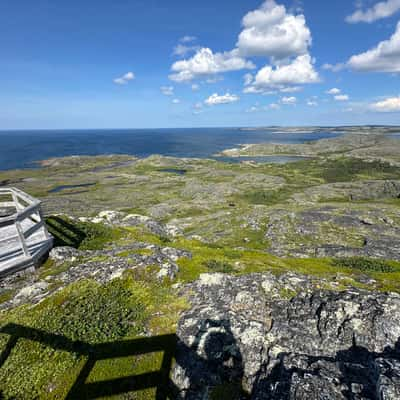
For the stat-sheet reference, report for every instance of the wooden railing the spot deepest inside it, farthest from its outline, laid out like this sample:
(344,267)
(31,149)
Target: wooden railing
(24,219)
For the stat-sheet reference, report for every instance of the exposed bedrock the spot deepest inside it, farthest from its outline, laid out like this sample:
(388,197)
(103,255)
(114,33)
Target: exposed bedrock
(335,231)
(265,337)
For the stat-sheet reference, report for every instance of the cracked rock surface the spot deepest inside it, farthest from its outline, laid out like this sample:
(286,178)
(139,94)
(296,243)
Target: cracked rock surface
(267,337)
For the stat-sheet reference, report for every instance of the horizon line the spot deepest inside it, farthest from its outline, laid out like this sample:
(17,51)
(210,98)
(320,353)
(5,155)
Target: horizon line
(206,127)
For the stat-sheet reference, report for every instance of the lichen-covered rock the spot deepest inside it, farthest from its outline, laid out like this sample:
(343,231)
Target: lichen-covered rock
(30,292)
(110,216)
(168,270)
(266,337)
(63,254)
(335,231)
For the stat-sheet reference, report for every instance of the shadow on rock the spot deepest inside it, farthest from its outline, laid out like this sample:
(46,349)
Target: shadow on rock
(212,367)
(355,373)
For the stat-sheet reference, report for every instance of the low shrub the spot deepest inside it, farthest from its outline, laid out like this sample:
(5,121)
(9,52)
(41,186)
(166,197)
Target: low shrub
(95,313)
(365,264)
(347,169)
(267,197)
(219,266)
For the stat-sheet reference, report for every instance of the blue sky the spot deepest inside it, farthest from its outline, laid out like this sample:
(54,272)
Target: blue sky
(148,63)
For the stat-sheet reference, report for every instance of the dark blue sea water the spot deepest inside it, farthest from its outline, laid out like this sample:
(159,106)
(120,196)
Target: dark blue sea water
(21,149)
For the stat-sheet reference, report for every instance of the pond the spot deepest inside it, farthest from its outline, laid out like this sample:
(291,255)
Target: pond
(63,187)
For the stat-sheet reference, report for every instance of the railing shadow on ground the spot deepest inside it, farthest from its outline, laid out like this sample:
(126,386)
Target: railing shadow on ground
(64,233)
(134,347)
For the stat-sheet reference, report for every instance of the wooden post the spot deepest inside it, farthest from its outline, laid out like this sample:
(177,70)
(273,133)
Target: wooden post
(20,231)
(16,202)
(41,218)
(22,239)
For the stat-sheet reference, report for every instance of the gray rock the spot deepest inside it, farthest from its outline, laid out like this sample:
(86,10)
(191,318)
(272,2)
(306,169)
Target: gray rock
(335,232)
(30,292)
(168,270)
(267,337)
(112,217)
(64,254)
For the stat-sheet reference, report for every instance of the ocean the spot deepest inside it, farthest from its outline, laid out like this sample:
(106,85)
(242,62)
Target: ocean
(23,149)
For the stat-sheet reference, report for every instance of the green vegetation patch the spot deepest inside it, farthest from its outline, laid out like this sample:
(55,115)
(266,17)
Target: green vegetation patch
(106,322)
(349,169)
(82,235)
(287,293)
(93,313)
(366,264)
(267,197)
(219,266)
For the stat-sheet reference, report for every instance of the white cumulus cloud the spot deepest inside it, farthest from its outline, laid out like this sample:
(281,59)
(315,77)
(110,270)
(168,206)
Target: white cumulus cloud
(333,91)
(289,100)
(185,48)
(382,9)
(272,32)
(341,97)
(385,57)
(252,109)
(205,63)
(195,87)
(248,79)
(334,67)
(124,79)
(274,106)
(181,49)
(187,39)
(283,77)
(221,99)
(176,101)
(391,104)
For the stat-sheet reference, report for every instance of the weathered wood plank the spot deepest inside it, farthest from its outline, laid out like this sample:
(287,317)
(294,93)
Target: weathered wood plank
(24,238)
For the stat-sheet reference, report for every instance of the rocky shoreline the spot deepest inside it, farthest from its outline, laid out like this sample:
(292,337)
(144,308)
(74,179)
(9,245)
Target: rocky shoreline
(370,146)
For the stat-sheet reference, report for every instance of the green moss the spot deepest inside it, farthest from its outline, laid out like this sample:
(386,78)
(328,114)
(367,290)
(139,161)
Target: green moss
(141,234)
(286,293)
(219,266)
(268,197)
(367,264)
(6,295)
(387,282)
(82,235)
(348,169)
(91,313)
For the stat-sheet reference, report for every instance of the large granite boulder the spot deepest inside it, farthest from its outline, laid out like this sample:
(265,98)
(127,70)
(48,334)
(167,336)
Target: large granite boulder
(265,337)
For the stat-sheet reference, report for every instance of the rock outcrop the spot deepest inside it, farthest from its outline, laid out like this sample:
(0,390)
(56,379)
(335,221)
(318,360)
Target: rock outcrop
(119,218)
(265,337)
(99,265)
(335,231)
